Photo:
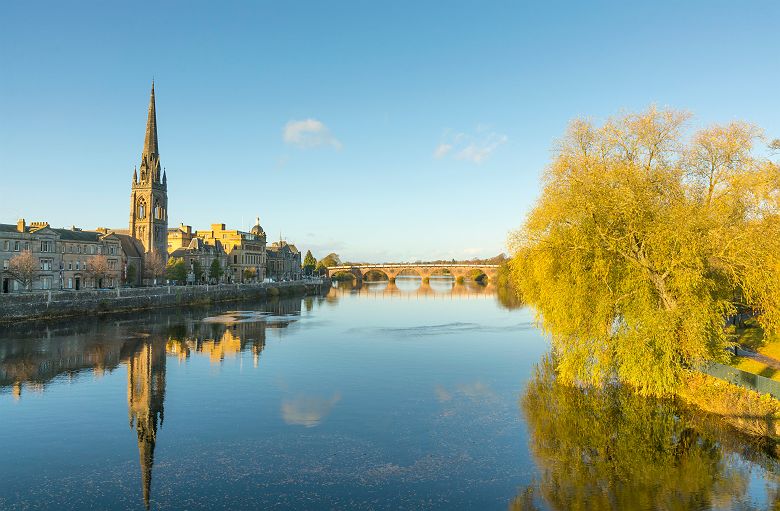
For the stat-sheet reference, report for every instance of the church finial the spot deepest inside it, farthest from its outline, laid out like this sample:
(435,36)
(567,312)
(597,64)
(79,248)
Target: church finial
(165,178)
(135,174)
(150,141)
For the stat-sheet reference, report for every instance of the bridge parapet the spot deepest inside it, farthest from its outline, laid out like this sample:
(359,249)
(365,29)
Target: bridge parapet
(393,270)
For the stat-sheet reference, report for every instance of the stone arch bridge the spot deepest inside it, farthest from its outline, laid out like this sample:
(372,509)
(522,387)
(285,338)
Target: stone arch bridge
(422,270)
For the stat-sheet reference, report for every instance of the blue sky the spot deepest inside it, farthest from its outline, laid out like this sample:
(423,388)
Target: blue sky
(378,130)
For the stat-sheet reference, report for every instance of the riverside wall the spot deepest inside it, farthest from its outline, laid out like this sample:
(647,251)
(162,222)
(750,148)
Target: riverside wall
(41,305)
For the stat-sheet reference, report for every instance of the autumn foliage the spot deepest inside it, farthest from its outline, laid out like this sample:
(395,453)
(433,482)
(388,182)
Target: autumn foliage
(644,240)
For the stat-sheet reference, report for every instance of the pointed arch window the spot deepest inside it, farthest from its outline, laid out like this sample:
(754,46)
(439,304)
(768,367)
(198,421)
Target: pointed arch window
(141,209)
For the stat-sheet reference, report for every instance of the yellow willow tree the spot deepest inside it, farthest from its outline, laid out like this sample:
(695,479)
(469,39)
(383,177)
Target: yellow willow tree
(643,241)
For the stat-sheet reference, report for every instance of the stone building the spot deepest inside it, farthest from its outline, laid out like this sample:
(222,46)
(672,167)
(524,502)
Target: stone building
(147,234)
(179,237)
(246,253)
(133,268)
(200,253)
(90,259)
(149,193)
(284,261)
(42,242)
(63,258)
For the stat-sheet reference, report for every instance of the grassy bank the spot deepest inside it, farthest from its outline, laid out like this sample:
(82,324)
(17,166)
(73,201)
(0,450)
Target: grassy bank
(750,412)
(751,336)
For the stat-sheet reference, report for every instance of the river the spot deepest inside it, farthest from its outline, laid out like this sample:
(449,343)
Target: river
(393,396)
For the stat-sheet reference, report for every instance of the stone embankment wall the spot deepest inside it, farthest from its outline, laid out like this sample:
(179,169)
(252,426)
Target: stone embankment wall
(57,304)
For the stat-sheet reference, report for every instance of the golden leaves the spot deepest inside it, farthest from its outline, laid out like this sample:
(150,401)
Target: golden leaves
(640,241)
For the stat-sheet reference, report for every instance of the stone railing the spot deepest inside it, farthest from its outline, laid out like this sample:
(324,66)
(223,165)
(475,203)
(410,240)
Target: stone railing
(46,304)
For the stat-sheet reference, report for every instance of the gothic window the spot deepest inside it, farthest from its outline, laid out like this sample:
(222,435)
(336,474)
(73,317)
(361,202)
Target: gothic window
(141,209)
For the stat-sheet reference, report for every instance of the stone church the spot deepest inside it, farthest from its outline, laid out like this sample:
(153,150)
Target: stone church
(149,193)
(147,233)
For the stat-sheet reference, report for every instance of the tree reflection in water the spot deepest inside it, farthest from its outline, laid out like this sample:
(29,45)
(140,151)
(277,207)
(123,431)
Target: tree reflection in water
(609,448)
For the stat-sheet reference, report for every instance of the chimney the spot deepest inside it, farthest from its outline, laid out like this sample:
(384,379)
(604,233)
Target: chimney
(20,225)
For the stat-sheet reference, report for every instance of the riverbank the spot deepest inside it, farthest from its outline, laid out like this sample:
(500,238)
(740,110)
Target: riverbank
(39,306)
(756,414)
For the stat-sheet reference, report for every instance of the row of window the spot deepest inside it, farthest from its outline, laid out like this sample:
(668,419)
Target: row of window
(17,245)
(159,211)
(48,264)
(46,283)
(48,247)
(109,282)
(89,249)
(250,259)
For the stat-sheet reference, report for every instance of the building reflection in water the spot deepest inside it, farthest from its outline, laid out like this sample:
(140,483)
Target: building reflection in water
(30,362)
(145,404)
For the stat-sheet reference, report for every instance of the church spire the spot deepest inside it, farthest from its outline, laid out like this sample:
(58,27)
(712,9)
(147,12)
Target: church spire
(149,193)
(150,142)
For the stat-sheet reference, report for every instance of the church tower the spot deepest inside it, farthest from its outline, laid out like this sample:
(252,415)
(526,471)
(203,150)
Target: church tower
(149,195)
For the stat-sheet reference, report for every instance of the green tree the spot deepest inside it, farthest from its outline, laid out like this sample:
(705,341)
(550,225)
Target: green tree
(176,270)
(643,241)
(131,274)
(478,276)
(309,263)
(197,269)
(215,270)
(329,260)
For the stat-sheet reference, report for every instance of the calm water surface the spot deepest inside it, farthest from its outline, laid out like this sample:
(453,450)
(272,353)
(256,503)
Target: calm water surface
(402,396)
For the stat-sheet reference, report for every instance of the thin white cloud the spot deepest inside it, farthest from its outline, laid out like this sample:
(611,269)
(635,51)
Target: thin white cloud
(475,148)
(442,150)
(309,133)
(479,151)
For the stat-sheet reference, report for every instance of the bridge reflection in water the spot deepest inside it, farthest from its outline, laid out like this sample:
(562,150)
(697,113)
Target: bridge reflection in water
(410,288)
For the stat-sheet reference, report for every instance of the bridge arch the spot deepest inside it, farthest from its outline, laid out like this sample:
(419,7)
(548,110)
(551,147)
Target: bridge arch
(422,270)
(344,274)
(410,271)
(369,275)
